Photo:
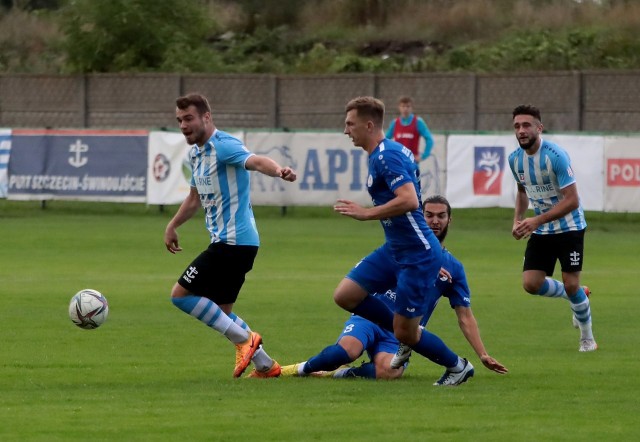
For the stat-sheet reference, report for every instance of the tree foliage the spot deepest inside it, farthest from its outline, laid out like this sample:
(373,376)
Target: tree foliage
(134,35)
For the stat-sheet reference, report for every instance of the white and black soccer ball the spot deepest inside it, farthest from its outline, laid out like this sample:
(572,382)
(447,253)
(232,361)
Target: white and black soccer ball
(88,309)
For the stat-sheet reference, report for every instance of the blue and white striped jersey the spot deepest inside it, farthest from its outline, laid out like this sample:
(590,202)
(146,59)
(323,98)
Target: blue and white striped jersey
(543,175)
(223,183)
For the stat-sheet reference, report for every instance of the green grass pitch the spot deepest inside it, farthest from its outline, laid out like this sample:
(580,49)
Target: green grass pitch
(151,373)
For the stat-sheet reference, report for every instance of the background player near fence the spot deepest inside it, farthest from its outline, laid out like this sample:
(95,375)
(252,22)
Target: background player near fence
(209,287)
(545,179)
(360,335)
(407,129)
(393,185)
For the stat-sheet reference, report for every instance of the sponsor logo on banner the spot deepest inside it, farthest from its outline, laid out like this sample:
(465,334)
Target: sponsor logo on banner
(161,167)
(487,170)
(623,172)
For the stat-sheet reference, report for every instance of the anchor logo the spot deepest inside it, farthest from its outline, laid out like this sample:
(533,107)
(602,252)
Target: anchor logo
(78,148)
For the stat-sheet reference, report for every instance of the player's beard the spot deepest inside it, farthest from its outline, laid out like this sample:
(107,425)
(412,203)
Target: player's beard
(528,145)
(443,234)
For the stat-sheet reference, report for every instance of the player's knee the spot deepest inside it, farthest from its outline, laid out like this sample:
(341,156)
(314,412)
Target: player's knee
(406,336)
(531,287)
(344,299)
(571,288)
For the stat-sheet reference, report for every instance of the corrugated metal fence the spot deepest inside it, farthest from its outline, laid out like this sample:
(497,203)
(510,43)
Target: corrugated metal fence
(592,101)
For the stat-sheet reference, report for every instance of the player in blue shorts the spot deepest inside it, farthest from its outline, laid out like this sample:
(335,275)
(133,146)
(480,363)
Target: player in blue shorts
(361,335)
(393,185)
(209,287)
(545,181)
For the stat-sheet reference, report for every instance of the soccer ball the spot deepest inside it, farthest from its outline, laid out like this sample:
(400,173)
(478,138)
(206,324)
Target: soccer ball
(88,309)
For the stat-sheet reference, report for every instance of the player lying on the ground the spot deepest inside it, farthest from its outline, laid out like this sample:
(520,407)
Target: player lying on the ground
(381,345)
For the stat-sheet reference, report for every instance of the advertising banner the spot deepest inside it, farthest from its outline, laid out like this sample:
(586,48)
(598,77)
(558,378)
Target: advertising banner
(622,169)
(478,173)
(329,168)
(78,165)
(5,151)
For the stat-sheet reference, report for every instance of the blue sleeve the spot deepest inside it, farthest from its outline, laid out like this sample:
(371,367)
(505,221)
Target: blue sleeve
(392,168)
(563,170)
(458,291)
(231,151)
(392,127)
(424,131)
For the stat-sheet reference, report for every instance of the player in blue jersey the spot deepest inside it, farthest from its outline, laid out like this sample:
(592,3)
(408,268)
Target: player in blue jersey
(545,180)
(361,335)
(395,191)
(209,287)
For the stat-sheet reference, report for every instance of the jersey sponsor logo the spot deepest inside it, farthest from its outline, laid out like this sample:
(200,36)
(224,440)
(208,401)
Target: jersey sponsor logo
(391,295)
(370,181)
(396,179)
(204,183)
(623,172)
(411,309)
(488,169)
(541,191)
(521,178)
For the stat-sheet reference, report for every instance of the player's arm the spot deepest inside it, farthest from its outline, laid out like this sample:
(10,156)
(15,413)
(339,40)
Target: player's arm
(469,327)
(522,204)
(187,209)
(405,201)
(389,133)
(269,167)
(424,131)
(569,202)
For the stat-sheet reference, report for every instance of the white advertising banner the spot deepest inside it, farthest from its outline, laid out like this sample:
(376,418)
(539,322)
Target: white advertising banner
(433,170)
(328,165)
(622,163)
(478,173)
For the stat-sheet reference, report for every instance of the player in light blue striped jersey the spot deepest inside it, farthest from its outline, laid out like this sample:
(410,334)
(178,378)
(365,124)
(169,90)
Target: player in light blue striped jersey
(209,287)
(545,180)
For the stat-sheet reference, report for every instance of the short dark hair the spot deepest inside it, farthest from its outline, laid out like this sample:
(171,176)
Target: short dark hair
(405,99)
(438,199)
(527,109)
(368,107)
(194,99)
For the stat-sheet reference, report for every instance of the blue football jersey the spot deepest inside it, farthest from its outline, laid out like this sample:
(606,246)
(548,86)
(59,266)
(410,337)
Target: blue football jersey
(392,165)
(223,183)
(456,290)
(544,175)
